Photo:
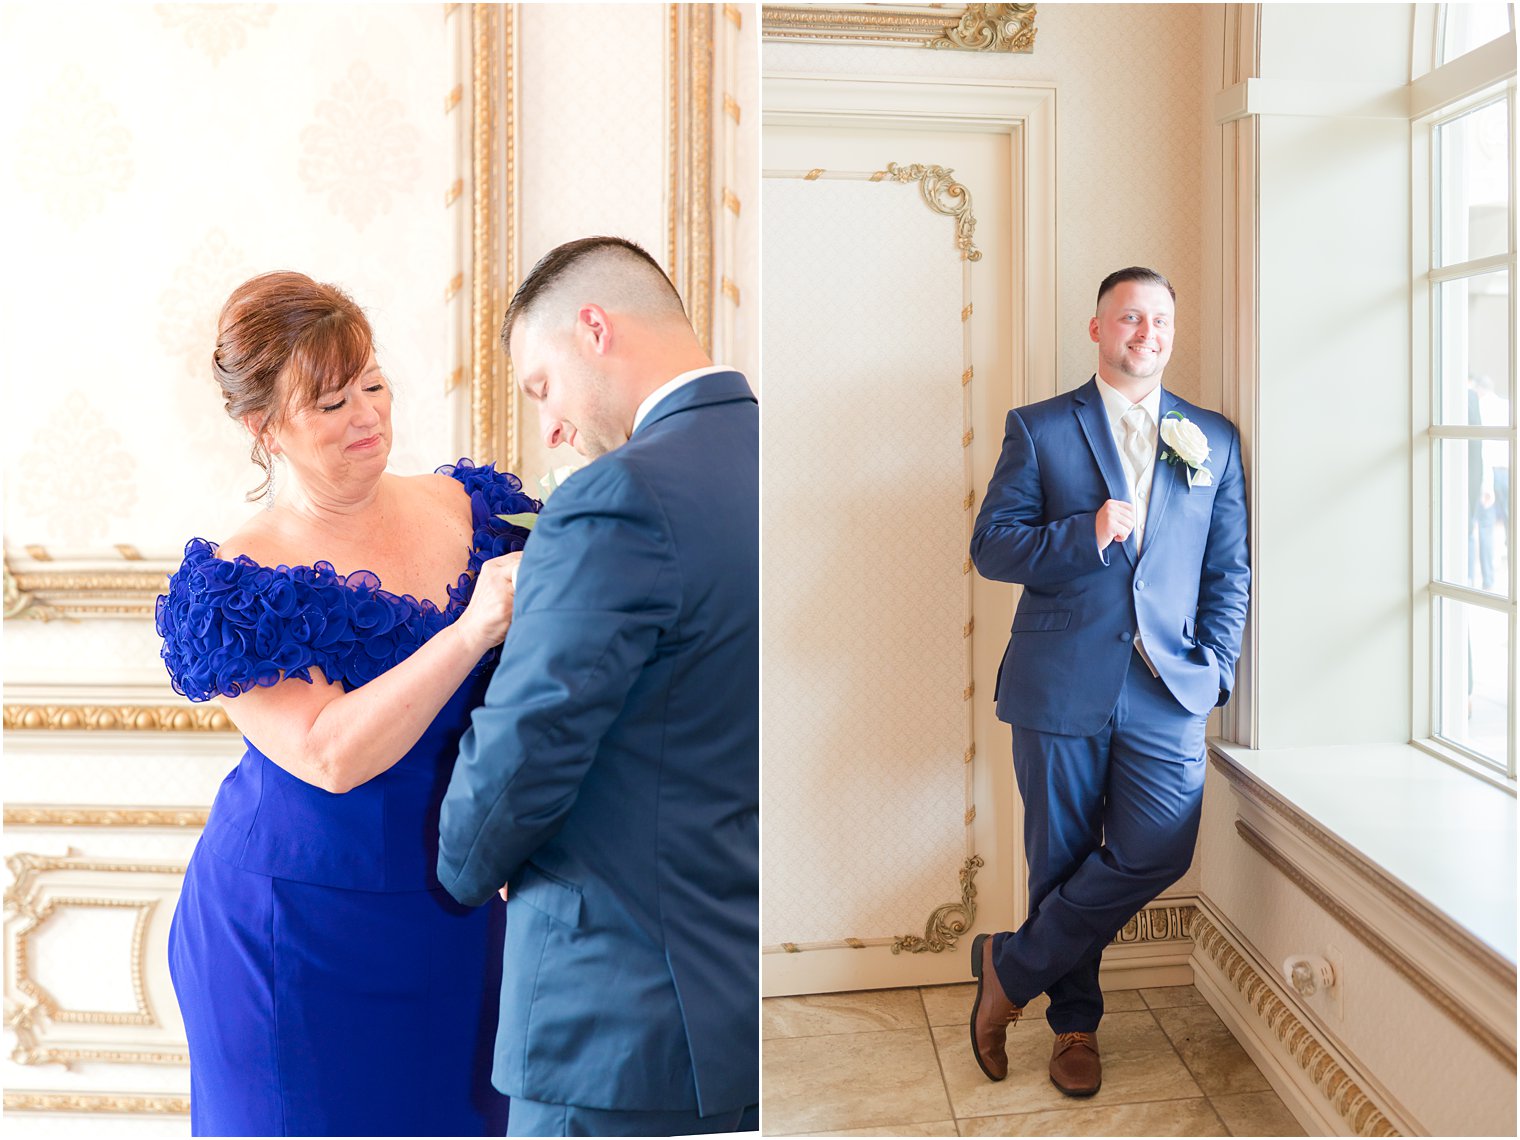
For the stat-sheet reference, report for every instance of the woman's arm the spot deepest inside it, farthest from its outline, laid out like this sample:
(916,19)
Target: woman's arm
(336,740)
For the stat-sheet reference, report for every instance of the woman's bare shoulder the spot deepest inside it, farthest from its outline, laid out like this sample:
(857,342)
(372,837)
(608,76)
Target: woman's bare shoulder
(259,538)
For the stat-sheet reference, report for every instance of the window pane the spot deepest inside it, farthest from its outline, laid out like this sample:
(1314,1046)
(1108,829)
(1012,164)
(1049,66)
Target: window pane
(1472,164)
(1473,316)
(1467,26)
(1475,680)
(1475,490)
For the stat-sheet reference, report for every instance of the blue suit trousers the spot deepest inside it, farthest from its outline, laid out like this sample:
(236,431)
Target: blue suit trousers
(1110,821)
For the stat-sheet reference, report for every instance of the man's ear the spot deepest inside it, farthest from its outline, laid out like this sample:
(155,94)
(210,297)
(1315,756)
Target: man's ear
(1092,329)
(595,327)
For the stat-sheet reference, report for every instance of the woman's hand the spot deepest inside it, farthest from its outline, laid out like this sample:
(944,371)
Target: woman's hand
(486,618)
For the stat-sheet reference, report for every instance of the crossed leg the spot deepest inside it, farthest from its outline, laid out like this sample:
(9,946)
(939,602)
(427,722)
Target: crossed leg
(1110,821)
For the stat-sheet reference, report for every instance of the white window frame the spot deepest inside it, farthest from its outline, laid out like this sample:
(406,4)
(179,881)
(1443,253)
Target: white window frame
(1442,94)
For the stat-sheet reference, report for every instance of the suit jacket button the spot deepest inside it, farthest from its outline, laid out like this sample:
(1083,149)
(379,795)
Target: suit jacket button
(1124,636)
(1139,583)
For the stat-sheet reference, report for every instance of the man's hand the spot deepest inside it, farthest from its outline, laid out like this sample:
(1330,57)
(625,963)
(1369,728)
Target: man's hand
(1116,519)
(503,894)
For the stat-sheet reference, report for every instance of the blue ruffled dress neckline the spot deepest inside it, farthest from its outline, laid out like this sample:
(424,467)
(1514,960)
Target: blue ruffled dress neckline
(231,624)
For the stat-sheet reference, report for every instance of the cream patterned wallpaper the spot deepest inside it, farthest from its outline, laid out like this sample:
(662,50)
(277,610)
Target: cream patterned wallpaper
(1129,113)
(862,716)
(224,142)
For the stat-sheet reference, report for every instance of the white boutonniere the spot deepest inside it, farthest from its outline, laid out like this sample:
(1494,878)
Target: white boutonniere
(547,484)
(1185,441)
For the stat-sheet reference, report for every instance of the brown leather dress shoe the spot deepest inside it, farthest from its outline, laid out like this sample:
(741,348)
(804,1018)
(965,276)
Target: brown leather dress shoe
(1074,1065)
(991,1014)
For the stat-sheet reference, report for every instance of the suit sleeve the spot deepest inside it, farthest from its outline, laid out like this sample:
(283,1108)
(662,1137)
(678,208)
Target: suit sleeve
(1224,589)
(1010,542)
(598,584)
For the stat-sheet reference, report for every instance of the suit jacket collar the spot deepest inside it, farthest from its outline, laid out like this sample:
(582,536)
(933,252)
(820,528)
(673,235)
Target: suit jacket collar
(714,388)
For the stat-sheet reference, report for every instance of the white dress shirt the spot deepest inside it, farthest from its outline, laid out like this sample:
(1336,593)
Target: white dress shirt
(670,386)
(1116,404)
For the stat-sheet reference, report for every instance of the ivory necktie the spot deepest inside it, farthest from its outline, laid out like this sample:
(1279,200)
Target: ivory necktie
(1138,453)
(1137,444)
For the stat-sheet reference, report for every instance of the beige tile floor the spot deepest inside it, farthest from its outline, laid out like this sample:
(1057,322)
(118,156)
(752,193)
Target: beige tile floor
(898,1063)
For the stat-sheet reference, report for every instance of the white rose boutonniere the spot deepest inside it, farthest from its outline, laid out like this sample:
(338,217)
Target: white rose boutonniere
(547,483)
(1185,441)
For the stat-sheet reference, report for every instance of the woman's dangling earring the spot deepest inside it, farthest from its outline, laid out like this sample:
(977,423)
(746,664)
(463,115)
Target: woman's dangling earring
(271,488)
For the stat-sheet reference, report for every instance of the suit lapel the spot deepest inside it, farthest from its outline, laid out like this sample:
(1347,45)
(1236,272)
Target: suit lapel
(1164,477)
(1100,437)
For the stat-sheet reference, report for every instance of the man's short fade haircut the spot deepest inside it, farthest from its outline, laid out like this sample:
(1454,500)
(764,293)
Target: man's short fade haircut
(1133,273)
(561,264)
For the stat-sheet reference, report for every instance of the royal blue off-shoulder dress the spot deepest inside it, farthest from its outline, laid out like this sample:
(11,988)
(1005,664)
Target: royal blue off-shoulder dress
(329,985)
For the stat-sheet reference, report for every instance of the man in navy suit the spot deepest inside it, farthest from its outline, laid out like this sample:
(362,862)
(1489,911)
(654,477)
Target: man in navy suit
(1121,511)
(611,778)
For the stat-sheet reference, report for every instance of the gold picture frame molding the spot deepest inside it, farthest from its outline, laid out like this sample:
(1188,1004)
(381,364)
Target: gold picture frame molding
(30,1008)
(1000,28)
(494,176)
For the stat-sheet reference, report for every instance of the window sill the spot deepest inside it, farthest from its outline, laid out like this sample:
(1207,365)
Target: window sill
(1419,829)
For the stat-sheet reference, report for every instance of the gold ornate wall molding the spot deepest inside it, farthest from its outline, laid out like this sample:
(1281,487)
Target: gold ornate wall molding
(493,82)
(23,717)
(1345,1095)
(1005,28)
(1168,922)
(690,222)
(58,815)
(42,588)
(41,887)
(118,1104)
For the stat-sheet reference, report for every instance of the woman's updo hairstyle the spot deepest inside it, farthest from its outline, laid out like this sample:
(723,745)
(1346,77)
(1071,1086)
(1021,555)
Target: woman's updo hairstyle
(284,341)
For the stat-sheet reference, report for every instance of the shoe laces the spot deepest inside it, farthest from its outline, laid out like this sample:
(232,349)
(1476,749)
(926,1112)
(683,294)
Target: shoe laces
(1014,1013)
(1067,1040)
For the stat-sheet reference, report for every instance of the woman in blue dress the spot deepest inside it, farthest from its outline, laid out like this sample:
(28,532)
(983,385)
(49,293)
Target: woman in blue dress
(329,986)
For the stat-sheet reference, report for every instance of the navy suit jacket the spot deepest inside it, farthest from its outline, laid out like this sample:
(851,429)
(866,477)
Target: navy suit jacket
(611,777)
(1186,592)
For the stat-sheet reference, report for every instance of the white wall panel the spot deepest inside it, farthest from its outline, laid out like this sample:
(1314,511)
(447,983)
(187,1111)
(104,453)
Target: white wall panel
(864,719)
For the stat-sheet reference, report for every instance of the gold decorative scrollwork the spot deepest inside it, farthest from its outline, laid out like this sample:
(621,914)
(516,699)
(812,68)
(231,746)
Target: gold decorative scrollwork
(1344,1094)
(992,27)
(948,922)
(117,718)
(944,195)
(1158,924)
(1002,28)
